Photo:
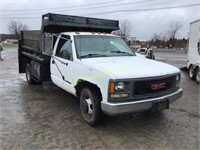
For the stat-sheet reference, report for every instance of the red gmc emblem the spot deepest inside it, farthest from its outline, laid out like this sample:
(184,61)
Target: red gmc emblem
(158,86)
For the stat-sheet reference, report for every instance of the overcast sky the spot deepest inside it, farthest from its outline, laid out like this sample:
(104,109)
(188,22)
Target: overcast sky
(147,16)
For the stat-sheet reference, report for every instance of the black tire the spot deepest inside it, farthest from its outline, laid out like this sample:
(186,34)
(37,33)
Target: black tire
(29,78)
(90,105)
(197,75)
(192,72)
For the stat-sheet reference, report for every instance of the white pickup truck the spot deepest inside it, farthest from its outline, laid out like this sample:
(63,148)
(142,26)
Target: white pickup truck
(97,67)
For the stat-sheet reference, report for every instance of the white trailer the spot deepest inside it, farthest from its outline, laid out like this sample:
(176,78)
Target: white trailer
(193,62)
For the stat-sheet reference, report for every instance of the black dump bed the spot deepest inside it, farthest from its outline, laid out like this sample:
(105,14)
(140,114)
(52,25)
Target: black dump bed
(56,23)
(30,39)
(31,42)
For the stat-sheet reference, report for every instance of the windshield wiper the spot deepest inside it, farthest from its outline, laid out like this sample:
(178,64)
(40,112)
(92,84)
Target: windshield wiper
(91,55)
(121,52)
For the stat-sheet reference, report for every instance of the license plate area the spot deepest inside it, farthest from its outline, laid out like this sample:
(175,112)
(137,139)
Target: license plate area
(160,105)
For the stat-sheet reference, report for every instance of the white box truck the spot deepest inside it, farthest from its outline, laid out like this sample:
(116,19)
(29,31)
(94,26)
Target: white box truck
(193,62)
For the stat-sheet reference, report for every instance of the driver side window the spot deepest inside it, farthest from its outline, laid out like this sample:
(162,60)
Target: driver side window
(64,48)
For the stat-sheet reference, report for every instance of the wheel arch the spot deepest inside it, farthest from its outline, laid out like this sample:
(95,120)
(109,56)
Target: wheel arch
(83,83)
(196,67)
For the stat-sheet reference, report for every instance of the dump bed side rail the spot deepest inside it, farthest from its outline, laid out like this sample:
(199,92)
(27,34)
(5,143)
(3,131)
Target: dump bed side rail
(56,23)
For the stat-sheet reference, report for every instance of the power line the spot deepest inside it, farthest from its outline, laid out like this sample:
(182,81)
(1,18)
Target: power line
(86,5)
(62,7)
(145,9)
(135,2)
(126,10)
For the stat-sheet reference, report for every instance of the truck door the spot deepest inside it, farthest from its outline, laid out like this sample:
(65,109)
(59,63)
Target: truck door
(62,63)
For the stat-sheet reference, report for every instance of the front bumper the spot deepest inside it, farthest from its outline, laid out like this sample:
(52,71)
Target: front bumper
(113,109)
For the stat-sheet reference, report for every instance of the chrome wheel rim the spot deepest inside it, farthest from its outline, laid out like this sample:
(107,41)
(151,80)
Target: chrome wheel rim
(87,107)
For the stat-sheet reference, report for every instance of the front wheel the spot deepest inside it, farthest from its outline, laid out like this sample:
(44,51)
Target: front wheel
(90,105)
(191,72)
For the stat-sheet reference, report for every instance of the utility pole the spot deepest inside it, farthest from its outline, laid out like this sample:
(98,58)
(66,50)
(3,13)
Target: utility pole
(133,39)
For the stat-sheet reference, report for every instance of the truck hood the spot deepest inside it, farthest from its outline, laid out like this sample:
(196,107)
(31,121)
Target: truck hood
(130,67)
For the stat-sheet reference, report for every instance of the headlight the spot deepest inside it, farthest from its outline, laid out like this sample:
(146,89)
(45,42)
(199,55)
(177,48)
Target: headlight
(119,95)
(120,86)
(119,89)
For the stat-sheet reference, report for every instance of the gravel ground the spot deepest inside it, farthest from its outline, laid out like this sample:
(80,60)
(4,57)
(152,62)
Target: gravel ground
(46,117)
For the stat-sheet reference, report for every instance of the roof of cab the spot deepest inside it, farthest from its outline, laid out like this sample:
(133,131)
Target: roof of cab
(88,33)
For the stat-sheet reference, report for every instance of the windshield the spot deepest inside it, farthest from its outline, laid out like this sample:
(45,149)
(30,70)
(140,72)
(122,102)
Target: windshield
(89,46)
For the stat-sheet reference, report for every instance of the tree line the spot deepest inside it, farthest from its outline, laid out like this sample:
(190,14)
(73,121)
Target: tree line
(169,38)
(166,39)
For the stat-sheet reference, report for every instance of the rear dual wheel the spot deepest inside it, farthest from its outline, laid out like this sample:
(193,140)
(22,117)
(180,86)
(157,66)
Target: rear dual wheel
(197,75)
(192,72)
(29,78)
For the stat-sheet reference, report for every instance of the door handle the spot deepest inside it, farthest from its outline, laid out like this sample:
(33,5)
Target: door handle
(65,63)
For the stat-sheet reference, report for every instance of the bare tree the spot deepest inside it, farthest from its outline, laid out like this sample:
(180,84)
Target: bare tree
(125,29)
(164,37)
(164,40)
(174,27)
(14,27)
(159,40)
(156,37)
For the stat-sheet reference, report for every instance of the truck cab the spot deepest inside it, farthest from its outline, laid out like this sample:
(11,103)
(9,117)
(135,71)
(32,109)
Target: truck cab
(100,70)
